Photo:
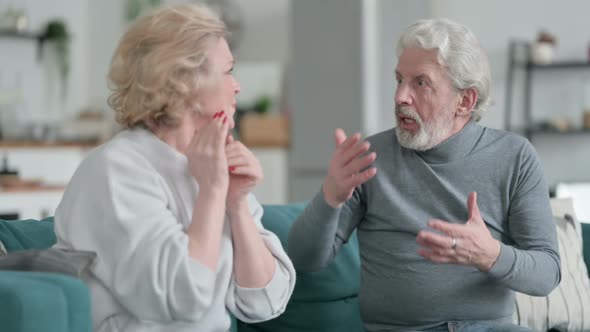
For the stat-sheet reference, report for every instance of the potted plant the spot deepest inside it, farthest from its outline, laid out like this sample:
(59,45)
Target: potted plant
(57,33)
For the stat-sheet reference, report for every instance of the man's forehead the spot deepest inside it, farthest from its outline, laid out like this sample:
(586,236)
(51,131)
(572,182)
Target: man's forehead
(418,61)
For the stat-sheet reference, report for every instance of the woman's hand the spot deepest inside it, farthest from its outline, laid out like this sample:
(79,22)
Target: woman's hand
(244,172)
(206,155)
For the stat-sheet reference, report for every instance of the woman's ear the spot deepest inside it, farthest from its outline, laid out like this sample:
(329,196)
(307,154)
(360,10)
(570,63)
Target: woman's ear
(467,102)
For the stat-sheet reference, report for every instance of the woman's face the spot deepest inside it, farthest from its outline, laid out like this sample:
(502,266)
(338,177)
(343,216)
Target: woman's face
(222,96)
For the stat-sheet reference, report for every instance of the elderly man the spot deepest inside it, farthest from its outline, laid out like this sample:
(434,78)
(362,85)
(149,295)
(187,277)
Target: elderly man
(452,217)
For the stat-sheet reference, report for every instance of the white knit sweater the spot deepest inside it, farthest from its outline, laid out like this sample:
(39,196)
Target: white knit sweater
(130,201)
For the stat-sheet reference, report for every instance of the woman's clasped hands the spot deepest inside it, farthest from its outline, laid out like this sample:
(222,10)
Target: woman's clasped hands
(222,165)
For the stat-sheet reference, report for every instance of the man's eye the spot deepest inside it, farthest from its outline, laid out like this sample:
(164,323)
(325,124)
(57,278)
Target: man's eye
(421,83)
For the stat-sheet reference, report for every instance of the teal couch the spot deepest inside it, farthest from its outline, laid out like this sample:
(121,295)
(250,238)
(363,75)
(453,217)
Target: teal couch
(34,301)
(31,301)
(322,301)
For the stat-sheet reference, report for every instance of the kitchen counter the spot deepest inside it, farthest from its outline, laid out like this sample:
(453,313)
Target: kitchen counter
(47,144)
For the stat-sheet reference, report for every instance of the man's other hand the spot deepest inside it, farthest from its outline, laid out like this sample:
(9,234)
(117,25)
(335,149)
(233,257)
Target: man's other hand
(348,168)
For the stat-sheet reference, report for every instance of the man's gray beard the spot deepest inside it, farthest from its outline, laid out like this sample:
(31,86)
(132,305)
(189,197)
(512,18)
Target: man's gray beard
(429,134)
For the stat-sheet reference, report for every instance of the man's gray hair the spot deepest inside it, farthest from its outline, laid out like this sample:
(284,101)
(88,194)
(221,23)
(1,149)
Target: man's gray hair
(459,52)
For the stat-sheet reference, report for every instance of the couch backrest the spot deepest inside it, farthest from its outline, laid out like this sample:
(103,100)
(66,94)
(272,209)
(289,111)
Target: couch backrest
(339,280)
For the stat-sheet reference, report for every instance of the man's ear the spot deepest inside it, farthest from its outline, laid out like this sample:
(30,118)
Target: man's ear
(467,101)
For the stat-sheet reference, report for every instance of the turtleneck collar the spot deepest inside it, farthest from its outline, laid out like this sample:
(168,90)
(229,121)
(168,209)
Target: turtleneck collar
(455,147)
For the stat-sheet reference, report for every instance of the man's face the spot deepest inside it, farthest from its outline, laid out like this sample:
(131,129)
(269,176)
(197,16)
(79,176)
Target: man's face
(425,100)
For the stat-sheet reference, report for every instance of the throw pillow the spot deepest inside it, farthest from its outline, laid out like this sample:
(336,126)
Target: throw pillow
(70,262)
(2,249)
(586,235)
(563,309)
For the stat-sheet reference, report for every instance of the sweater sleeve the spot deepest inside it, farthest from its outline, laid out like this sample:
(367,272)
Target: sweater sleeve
(259,304)
(117,206)
(318,233)
(532,264)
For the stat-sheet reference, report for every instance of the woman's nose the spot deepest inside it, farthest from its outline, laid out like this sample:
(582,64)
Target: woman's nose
(237,87)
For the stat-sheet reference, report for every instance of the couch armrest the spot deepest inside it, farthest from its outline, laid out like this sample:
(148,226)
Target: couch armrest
(33,301)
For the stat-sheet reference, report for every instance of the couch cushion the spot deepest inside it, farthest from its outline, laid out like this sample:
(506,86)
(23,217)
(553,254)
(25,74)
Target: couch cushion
(339,280)
(566,307)
(27,234)
(341,315)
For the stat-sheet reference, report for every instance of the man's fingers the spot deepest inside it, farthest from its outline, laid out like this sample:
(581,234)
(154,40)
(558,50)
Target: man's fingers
(339,136)
(355,166)
(360,178)
(448,228)
(347,155)
(432,240)
(472,207)
(350,141)
(436,258)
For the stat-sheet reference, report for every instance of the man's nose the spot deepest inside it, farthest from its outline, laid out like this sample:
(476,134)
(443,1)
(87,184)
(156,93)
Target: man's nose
(403,95)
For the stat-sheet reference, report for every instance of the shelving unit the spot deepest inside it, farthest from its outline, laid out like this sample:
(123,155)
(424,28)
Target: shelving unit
(26,35)
(519,55)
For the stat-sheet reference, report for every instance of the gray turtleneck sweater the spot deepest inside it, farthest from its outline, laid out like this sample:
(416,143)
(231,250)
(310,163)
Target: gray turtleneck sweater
(400,290)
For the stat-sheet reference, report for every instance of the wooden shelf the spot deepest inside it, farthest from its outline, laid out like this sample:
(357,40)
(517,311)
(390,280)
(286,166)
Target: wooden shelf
(572,132)
(560,65)
(32,188)
(43,144)
(20,35)
(26,35)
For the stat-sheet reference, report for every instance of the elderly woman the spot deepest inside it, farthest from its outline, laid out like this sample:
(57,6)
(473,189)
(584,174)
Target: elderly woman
(167,204)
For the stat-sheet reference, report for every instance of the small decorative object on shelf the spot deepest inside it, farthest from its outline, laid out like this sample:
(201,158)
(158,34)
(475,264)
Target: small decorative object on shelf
(7,175)
(543,50)
(587,120)
(265,130)
(13,20)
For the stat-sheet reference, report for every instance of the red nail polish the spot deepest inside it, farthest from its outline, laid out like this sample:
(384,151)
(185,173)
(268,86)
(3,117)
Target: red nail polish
(232,168)
(224,119)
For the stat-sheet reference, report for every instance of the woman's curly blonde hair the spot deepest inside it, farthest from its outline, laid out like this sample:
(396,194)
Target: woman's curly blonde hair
(161,66)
